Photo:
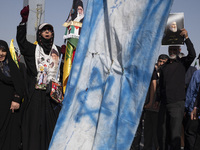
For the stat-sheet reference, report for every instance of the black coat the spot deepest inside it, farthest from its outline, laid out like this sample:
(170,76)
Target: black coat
(172,76)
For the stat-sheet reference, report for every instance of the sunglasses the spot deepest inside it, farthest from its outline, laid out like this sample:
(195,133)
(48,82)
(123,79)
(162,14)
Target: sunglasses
(48,29)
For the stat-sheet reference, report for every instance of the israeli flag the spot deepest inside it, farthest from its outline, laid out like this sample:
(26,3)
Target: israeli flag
(110,76)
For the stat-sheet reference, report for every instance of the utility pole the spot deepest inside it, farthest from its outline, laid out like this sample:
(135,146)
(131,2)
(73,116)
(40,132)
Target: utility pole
(36,17)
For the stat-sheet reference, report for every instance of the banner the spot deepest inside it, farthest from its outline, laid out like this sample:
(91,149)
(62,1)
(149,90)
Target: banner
(67,63)
(173,28)
(110,75)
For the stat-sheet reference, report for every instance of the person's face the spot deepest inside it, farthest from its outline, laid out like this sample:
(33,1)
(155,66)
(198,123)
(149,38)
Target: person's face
(54,56)
(161,62)
(173,27)
(46,33)
(2,54)
(80,10)
(173,52)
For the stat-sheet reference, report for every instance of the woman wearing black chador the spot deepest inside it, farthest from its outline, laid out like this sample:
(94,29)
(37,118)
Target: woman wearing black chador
(41,112)
(11,91)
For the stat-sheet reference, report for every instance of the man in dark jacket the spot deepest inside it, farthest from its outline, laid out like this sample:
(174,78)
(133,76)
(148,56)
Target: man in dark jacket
(172,95)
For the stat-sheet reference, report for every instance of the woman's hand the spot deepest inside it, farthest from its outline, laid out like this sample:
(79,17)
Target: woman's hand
(14,106)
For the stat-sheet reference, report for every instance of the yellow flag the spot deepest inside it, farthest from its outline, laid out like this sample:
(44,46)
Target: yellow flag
(67,64)
(12,52)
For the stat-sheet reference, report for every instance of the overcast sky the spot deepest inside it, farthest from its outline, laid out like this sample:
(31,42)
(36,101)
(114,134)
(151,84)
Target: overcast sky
(56,12)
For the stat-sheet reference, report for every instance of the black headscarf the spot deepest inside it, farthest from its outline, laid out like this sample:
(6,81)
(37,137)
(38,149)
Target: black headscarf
(15,75)
(79,3)
(44,43)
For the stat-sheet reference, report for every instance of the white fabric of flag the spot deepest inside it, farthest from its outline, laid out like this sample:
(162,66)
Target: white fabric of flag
(110,76)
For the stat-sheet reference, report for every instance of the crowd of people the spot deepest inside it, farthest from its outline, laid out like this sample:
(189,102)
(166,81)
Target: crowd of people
(29,115)
(28,108)
(170,115)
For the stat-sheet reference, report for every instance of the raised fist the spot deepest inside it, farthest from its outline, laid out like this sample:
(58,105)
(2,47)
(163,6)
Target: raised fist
(24,13)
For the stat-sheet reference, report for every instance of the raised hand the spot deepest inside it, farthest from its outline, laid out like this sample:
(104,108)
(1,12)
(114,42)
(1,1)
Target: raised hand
(184,33)
(24,14)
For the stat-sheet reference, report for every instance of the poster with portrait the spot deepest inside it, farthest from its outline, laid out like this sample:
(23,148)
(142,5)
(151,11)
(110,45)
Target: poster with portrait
(56,92)
(173,28)
(47,67)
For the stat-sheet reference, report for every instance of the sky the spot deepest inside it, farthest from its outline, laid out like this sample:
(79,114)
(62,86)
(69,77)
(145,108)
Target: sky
(56,12)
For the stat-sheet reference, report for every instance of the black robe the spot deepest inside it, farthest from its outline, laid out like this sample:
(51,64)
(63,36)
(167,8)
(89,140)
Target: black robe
(41,112)
(10,123)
